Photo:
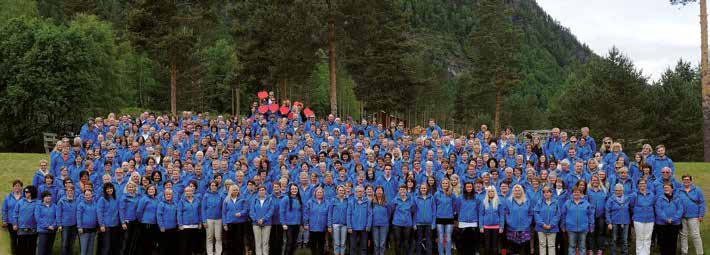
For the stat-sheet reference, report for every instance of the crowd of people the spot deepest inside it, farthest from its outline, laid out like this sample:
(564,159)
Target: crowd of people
(279,179)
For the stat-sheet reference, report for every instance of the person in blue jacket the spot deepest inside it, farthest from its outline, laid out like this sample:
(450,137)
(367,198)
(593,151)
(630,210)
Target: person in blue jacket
(492,219)
(166,217)
(444,200)
(87,222)
(597,196)
(189,222)
(110,232)
(8,211)
(337,212)
(315,220)
(643,203)
(277,233)
(618,218)
(547,218)
(235,212)
(403,220)
(25,223)
(694,203)
(359,221)
(45,214)
(381,211)
(467,210)
(146,213)
(291,215)
(519,214)
(49,186)
(127,205)
(669,211)
(66,220)
(577,220)
(260,212)
(424,219)
(211,215)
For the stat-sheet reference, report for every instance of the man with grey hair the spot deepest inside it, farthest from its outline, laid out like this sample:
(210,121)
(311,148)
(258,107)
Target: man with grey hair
(589,139)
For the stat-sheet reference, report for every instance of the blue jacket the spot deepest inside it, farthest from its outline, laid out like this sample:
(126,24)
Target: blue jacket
(167,215)
(577,217)
(45,216)
(547,214)
(359,215)
(189,213)
(381,214)
(86,214)
(127,206)
(108,212)
(598,200)
(425,210)
(264,212)
(657,164)
(491,216)
(211,206)
(275,216)
(403,212)
(8,208)
(315,215)
(694,202)
(618,213)
(147,210)
(24,214)
(338,211)
(444,205)
(467,209)
(290,211)
(66,212)
(230,208)
(669,209)
(643,207)
(519,216)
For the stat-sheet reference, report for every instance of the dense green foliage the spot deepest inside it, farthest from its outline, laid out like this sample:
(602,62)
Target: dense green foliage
(64,60)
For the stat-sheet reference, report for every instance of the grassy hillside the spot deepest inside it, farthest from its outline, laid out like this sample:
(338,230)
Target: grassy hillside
(19,165)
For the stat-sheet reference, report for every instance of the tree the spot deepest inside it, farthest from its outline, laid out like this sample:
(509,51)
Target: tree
(496,44)
(608,97)
(705,76)
(331,57)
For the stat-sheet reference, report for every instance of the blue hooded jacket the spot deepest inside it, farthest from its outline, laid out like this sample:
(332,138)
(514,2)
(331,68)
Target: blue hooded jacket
(618,212)
(264,212)
(8,208)
(359,214)
(230,209)
(643,207)
(403,215)
(189,212)
(275,216)
(547,214)
(598,200)
(66,212)
(491,216)
(290,211)
(380,214)
(86,214)
(24,214)
(425,210)
(108,212)
(315,215)
(694,202)
(577,217)
(669,209)
(338,211)
(519,216)
(211,206)
(45,216)
(127,205)
(467,209)
(147,210)
(167,215)
(444,205)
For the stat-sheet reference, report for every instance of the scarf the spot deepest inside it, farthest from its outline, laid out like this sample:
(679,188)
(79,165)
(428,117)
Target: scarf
(620,199)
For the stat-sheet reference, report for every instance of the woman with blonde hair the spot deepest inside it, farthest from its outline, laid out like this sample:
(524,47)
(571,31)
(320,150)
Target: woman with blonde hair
(490,213)
(519,213)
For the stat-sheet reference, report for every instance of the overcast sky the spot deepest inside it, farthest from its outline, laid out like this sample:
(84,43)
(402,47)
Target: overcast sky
(653,33)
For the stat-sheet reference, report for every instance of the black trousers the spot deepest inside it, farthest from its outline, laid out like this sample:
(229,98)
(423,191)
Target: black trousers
(131,239)
(167,241)
(667,238)
(468,243)
(316,241)
(276,239)
(292,238)
(27,244)
(189,240)
(491,241)
(235,239)
(13,239)
(402,237)
(358,242)
(522,248)
(149,237)
(111,241)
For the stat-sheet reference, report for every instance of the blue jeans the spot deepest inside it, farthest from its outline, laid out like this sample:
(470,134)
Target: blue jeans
(379,236)
(45,243)
(86,242)
(577,240)
(620,231)
(68,239)
(444,241)
(339,234)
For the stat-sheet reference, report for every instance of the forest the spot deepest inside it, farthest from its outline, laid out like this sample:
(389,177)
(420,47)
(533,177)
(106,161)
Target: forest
(462,62)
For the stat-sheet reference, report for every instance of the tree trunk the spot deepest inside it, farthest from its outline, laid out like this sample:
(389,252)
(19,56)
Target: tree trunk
(173,88)
(705,78)
(237,94)
(331,66)
(282,89)
(496,118)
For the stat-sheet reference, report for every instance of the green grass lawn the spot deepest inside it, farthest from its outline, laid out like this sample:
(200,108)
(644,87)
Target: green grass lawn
(23,166)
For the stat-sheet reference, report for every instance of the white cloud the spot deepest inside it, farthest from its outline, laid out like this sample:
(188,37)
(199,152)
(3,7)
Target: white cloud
(653,33)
